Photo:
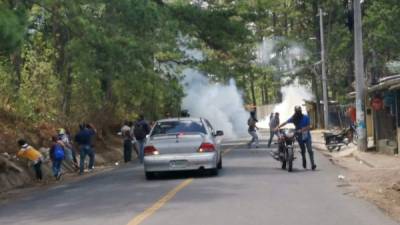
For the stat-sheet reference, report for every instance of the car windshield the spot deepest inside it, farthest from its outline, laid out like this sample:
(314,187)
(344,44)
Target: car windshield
(174,127)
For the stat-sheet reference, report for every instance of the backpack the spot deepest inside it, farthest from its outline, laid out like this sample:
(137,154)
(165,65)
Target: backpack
(58,152)
(140,131)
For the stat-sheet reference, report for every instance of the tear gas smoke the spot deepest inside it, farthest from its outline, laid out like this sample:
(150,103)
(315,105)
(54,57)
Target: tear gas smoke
(221,104)
(293,95)
(284,61)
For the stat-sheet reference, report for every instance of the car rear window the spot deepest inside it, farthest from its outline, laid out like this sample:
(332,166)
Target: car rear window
(174,127)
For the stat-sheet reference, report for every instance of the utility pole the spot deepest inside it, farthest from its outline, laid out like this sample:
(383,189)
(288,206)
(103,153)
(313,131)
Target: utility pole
(324,81)
(360,80)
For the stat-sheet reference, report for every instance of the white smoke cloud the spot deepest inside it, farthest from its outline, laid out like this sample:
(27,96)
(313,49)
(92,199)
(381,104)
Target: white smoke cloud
(292,95)
(284,61)
(221,104)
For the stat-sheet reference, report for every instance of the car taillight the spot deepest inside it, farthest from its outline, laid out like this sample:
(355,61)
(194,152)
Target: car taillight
(206,147)
(150,150)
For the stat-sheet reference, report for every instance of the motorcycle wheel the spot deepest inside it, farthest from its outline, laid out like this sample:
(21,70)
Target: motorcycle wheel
(290,159)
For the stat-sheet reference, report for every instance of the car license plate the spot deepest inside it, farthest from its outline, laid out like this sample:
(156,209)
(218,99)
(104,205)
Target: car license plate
(178,163)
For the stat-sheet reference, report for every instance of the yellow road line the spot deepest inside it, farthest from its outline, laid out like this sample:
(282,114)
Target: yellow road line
(166,198)
(160,203)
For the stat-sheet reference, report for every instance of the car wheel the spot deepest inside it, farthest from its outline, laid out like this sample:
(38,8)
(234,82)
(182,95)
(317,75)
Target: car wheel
(213,172)
(150,175)
(219,165)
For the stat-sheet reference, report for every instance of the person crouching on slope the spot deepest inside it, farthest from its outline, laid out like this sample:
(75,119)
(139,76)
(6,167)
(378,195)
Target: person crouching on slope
(30,153)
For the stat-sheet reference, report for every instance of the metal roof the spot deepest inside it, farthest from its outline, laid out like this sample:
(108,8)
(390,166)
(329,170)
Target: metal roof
(386,83)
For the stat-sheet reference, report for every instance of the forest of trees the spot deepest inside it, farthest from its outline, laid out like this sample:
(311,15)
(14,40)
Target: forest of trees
(75,60)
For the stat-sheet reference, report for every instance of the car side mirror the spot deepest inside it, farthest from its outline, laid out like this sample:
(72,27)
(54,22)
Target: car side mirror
(219,133)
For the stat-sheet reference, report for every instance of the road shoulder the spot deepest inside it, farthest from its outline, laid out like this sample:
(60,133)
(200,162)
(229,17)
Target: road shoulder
(374,176)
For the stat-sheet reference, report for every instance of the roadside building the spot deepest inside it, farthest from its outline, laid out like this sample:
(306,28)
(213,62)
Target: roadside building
(383,114)
(384,102)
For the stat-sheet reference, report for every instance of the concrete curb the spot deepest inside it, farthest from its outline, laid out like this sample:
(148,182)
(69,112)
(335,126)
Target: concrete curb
(324,151)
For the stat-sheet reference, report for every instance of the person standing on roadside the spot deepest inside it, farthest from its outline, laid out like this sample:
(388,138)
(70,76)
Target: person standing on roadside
(126,127)
(273,123)
(251,122)
(142,129)
(302,126)
(84,140)
(70,156)
(127,146)
(57,155)
(28,152)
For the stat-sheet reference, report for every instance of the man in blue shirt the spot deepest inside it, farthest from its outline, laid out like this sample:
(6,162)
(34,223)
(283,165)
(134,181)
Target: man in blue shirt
(84,140)
(302,125)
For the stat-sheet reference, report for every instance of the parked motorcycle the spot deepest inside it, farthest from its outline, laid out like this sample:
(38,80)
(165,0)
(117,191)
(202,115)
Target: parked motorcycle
(286,139)
(335,141)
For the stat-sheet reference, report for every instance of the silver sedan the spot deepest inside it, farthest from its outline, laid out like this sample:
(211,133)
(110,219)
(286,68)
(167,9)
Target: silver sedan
(182,144)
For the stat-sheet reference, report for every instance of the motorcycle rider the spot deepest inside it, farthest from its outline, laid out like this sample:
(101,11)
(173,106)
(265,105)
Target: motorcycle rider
(302,125)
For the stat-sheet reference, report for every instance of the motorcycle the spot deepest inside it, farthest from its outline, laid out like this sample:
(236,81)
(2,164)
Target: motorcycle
(343,138)
(286,139)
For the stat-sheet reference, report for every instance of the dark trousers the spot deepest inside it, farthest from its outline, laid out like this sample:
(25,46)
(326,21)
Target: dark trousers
(127,150)
(86,150)
(306,144)
(57,167)
(141,149)
(74,156)
(38,170)
(271,136)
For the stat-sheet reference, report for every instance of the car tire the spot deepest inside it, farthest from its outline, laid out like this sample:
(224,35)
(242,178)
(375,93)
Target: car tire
(213,172)
(150,175)
(219,165)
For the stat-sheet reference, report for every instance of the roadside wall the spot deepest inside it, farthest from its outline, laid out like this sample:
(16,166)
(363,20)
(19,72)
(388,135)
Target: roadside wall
(264,111)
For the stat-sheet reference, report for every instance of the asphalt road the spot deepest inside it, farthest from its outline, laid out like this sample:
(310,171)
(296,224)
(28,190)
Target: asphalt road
(251,189)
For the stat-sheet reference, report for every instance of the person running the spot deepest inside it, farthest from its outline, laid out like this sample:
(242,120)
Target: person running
(251,122)
(84,140)
(142,129)
(302,125)
(57,155)
(28,152)
(273,123)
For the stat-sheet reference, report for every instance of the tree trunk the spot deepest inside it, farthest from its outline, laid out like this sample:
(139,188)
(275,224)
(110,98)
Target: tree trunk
(67,96)
(286,25)
(252,89)
(61,36)
(265,87)
(17,62)
(262,94)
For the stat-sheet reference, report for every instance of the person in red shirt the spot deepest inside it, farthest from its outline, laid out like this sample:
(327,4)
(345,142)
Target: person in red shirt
(351,113)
